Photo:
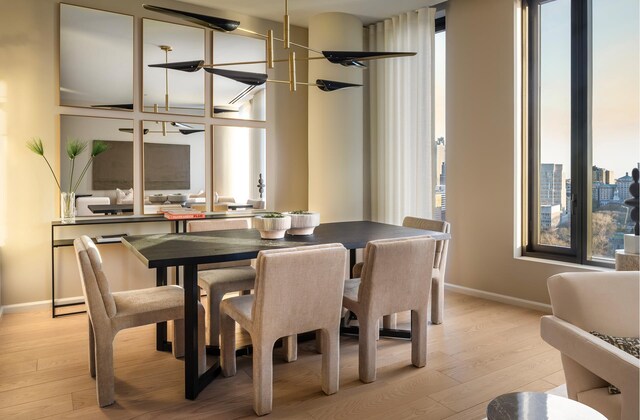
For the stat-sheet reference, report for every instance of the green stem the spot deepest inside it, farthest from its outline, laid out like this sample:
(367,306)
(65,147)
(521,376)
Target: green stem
(55,178)
(73,165)
(84,171)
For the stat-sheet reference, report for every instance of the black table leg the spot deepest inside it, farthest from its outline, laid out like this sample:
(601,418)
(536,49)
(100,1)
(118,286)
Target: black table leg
(193,383)
(161,327)
(352,260)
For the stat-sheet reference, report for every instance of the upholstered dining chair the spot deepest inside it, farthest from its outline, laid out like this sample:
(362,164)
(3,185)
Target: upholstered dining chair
(109,313)
(439,268)
(606,303)
(218,279)
(83,203)
(396,276)
(297,290)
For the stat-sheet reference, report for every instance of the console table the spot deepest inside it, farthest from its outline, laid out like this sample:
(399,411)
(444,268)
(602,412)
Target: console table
(57,225)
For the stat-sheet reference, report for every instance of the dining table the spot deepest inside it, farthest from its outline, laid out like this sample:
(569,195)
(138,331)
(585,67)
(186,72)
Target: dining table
(188,250)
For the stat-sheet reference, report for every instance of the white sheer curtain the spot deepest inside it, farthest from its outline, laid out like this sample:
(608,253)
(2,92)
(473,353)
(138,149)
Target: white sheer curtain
(401,101)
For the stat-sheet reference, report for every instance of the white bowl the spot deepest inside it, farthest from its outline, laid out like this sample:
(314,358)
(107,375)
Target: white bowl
(272,227)
(303,224)
(157,198)
(177,198)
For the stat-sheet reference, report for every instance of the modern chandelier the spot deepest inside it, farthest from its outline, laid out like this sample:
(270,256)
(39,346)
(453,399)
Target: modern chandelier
(345,58)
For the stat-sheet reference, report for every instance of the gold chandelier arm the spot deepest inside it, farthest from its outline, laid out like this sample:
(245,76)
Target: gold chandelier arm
(287,82)
(240,63)
(285,27)
(249,31)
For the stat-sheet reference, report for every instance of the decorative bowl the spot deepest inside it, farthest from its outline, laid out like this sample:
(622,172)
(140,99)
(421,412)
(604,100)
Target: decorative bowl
(158,198)
(177,198)
(303,223)
(272,227)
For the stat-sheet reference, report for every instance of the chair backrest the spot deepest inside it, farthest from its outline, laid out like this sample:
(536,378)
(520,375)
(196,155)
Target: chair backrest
(396,274)
(82,204)
(606,302)
(442,246)
(219,224)
(299,289)
(95,286)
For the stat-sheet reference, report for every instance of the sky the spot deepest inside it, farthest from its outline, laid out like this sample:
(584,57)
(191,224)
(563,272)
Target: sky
(616,84)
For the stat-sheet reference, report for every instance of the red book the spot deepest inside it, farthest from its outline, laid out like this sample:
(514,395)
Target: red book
(179,215)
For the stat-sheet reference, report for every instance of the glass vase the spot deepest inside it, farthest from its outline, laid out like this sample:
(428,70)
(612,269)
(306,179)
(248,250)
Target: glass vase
(68,207)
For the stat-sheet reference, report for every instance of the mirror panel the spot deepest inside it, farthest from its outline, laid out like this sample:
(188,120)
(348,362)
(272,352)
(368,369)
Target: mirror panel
(239,161)
(233,99)
(174,165)
(96,58)
(172,91)
(110,171)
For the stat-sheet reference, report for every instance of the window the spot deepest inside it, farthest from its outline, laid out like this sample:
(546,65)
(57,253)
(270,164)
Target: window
(583,126)
(440,194)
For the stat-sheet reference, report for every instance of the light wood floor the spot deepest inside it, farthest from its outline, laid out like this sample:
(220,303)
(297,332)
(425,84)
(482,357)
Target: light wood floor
(482,350)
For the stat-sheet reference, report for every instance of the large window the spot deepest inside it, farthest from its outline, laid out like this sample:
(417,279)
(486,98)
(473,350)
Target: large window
(584,126)
(440,192)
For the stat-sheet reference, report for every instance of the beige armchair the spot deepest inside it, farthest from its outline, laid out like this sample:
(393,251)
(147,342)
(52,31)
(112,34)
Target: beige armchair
(607,303)
(396,276)
(218,279)
(111,312)
(297,290)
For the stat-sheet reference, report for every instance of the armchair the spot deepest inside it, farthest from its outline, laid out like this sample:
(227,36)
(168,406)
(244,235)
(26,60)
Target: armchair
(607,303)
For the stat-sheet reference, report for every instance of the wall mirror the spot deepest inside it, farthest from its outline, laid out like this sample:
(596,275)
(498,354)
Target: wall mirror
(174,165)
(239,161)
(172,91)
(109,179)
(96,58)
(232,99)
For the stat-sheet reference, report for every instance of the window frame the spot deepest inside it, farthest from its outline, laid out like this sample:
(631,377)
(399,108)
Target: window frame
(579,250)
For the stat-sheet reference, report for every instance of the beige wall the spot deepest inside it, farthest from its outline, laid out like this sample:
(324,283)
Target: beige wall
(483,153)
(28,107)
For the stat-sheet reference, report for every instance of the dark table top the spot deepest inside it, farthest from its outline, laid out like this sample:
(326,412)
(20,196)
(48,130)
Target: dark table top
(172,249)
(539,406)
(110,208)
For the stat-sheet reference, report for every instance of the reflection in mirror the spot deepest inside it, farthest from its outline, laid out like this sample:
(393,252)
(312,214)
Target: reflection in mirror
(170,91)
(96,58)
(233,99)
(109,179)
(239,162)
(174,165)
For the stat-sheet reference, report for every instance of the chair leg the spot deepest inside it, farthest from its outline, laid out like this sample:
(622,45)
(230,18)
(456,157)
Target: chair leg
(290,347)
(177,346)
(92,350)
(419,337)
(437,302)
(228,345)
(368,349)
(213,318)
(105,383)
(330,374)
(262,376)
(202,344)
(390,321)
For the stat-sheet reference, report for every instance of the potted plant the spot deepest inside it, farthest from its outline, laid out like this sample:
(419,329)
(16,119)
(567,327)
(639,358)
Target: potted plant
(303,222)
(272,225)
(74,148)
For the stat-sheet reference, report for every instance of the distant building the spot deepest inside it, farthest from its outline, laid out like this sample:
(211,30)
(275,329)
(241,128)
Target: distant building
(443,174)
(552,185)
(622,185)
(549,216)
(602,175)
(602,194)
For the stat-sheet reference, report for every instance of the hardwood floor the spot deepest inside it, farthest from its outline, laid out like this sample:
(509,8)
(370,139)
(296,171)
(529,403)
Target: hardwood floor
(482,350)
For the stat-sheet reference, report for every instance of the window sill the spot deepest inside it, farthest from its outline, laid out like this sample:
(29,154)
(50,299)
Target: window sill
(582,267)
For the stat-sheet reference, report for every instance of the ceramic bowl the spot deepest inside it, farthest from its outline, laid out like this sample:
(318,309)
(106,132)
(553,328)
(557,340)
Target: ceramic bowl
(272,227)
(177,198)
(304,223)
(158,198)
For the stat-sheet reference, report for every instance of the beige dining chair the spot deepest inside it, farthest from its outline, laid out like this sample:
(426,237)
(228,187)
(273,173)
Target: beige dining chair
(218,279)
(395,277)
(297,290)
(439,268)
(109,313)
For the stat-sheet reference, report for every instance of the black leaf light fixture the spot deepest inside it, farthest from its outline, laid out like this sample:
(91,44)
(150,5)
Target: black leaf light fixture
(344,58)
(181,128)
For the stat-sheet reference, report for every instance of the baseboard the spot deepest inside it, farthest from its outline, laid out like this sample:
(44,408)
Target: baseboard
(40,305)
(510,300)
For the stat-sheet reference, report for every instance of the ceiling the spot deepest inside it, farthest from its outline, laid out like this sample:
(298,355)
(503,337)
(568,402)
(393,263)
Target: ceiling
(369,11)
